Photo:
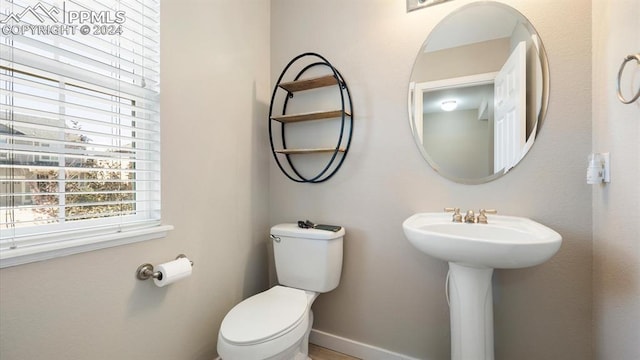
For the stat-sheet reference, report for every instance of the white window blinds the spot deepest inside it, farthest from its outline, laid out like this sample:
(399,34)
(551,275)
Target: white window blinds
(79,120)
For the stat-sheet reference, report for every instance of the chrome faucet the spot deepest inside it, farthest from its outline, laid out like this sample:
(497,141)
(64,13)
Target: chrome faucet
(457,217)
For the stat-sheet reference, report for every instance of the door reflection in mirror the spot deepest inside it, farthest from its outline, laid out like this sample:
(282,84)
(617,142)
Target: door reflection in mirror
(489,59)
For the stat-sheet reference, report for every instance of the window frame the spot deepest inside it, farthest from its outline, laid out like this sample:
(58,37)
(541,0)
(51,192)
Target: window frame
(71,237)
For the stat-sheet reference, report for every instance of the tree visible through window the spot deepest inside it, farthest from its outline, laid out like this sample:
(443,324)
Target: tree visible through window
(75,184)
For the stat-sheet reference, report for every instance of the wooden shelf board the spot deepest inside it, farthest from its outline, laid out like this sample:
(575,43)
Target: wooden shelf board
(316,115)
(308,151)
(309,83)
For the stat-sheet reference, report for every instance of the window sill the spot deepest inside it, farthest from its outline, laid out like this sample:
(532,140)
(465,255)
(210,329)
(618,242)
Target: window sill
(56,250)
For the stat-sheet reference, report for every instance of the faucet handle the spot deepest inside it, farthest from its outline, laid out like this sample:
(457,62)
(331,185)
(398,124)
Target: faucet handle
(482,216)
(457,217)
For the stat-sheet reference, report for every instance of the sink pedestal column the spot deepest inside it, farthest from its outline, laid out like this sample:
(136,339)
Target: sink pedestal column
(471,312)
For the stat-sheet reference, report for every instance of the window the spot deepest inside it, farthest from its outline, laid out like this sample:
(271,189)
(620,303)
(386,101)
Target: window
(79,126)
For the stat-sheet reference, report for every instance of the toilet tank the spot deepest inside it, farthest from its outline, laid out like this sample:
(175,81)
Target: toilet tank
(307,259)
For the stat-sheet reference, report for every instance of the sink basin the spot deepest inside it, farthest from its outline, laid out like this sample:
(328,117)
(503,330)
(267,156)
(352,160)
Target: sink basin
(506,242)
(473,251)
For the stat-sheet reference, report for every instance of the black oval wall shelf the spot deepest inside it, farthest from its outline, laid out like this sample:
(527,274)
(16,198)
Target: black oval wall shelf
(335,154)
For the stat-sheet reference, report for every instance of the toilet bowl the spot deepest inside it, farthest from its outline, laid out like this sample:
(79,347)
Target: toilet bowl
(275,324)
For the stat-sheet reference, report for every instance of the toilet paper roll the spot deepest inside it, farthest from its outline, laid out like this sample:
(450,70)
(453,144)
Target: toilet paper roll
(172,271)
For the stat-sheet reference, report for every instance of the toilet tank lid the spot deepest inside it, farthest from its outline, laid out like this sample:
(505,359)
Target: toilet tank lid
(292,230)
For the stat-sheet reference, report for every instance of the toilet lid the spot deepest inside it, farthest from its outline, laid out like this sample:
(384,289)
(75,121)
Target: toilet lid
(264,315)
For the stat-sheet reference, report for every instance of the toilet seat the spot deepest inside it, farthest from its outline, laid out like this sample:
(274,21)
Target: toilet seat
(265,316)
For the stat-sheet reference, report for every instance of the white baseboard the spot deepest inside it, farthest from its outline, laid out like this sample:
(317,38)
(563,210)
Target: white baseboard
(353,348)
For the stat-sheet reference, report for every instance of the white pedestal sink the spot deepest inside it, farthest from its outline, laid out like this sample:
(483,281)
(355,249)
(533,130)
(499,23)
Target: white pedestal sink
(473,251)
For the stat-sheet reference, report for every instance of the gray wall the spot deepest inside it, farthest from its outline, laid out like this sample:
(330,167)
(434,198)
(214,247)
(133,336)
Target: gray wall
(459,143)
(616,206)
(478,58)
(391,296)
(215,94)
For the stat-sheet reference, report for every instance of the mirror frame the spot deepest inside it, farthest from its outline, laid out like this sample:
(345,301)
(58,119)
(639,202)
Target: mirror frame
(544,96)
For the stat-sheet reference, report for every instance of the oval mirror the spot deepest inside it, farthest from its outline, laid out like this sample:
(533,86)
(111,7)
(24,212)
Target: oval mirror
(478,92)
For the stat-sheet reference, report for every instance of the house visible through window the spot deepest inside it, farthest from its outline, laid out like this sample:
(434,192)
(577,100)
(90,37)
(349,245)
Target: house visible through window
(79,125)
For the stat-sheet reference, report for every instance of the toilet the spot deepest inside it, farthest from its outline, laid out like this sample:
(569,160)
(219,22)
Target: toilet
(275,324)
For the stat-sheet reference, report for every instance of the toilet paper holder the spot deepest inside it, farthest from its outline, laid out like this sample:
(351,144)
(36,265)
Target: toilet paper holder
(145,271)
